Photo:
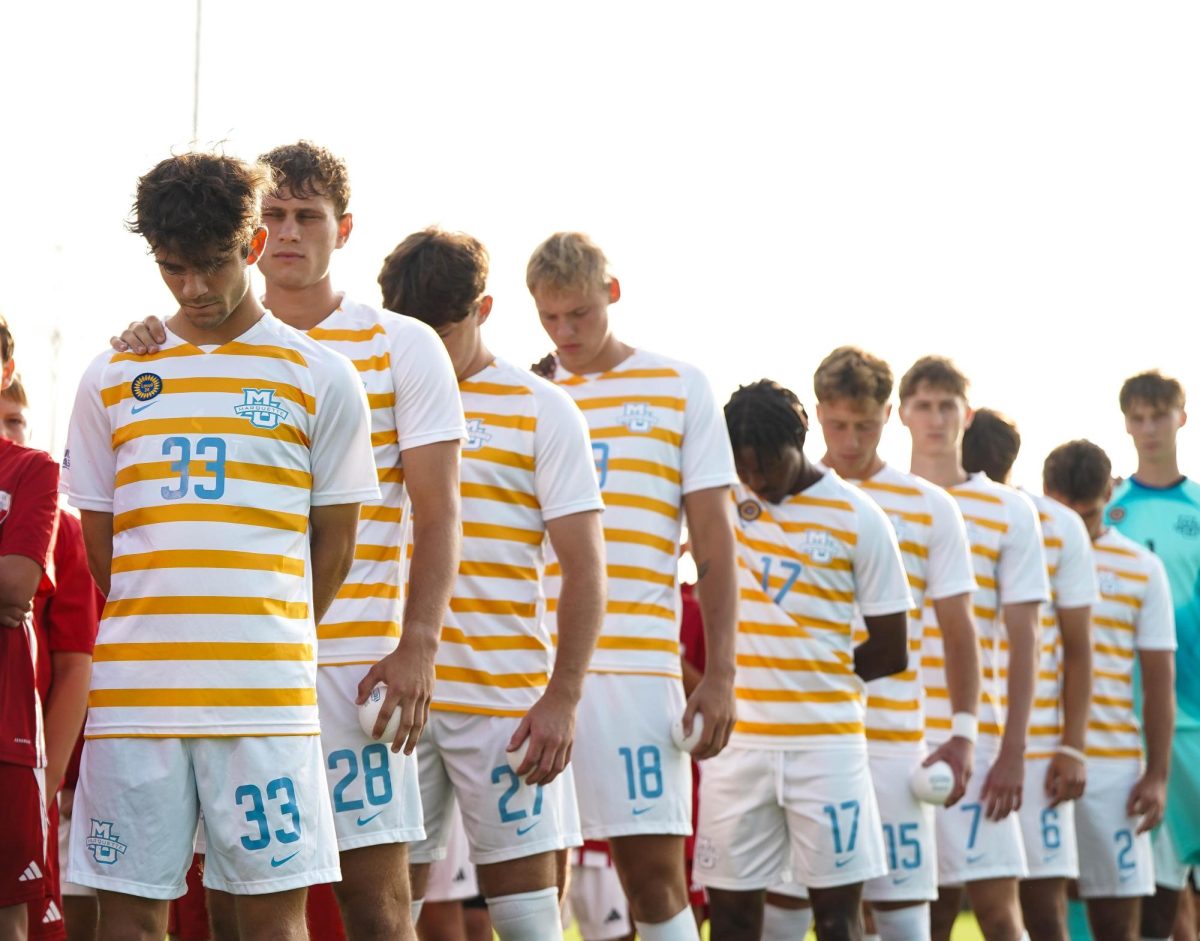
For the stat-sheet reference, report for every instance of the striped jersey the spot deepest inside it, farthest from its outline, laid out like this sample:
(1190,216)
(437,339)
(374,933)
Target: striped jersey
(1010,568)
(657,435)
(413,397)
(1134,613)
(933,546)
(527,461)
(209,463)
(805,565)
(1072,573)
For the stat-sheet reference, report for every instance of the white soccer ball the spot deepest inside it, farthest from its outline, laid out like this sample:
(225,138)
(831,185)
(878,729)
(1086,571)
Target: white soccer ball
(683,742)
(516,758)
(932,784)
(368,712)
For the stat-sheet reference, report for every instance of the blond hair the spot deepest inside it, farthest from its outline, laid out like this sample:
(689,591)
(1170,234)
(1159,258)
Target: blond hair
(937,372)
(567,260)
(851,373)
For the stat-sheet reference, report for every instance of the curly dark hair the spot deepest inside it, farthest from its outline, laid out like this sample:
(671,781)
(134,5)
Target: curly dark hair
(435,276)
(201,207)
(306,170)
(767,418)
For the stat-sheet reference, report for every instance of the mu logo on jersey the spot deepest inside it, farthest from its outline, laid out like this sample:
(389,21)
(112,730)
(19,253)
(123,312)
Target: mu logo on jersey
(1188,526)
(819,545)
(105,846)
(638,417)
(477,435)
(262,408)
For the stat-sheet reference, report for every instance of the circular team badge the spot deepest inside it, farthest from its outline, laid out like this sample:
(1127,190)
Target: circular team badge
(749,510)
(146,386)
(1116,514)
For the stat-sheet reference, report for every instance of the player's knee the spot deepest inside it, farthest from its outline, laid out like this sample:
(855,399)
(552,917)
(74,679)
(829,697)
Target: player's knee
(1044,923)
(379,912)
(1158,913)
(835,925)
(998,919)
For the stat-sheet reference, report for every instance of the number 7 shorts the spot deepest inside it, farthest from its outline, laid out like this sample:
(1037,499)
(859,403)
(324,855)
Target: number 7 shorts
(767,815)
(268,823)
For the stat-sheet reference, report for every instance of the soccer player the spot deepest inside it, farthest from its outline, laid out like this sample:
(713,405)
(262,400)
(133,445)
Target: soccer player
(1159,508)
(979,839)
(219,482)
(853,390)
(416,430)
(1133,622)
(28,505)
(793,791)
(527,474)
(661,453)
(1055,772)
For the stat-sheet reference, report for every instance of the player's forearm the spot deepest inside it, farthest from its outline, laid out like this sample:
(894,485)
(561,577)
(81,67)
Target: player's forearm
(1158,709)
(98,541)
(333,531)
(1075,630)
(713,549)
(885,651)
(1020,621)
(580,617)
(691,677)
(432,572)
(66,705)
(960,650)
(19,577)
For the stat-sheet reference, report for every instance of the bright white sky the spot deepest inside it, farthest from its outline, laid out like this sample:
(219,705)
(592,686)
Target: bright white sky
(1015,185)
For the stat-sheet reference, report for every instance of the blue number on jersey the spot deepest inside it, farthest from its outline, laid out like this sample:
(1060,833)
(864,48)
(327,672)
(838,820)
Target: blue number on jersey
(211,448)
(792,568)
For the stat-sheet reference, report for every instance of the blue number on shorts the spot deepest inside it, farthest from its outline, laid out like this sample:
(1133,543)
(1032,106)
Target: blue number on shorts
(288,808)
(216,467)
(1051,838)
(600,456)
(340,803)
(257,814)
(514,784)
(649,778)
(182,462)
(975,810)
(1124,863)
(908,841)
(377,780)
(832,811)
(178,466)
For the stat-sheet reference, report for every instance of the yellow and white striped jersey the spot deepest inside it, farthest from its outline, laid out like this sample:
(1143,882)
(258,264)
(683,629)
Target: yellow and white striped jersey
(933,547)
(1072,572)
(1010,568)
(413,396)
(1135,613)
(527,461)
(209,463)
(657,435)
(805,565)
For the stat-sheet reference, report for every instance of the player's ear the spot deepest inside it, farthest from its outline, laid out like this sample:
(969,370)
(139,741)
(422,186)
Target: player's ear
(1108,490)
(1182,417)
(10,369)
(485,308)
(614,290)
(345,227)
(968,418)
(887,412)
(258,243)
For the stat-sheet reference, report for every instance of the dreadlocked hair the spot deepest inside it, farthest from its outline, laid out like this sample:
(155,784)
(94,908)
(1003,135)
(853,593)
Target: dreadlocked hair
(765,417)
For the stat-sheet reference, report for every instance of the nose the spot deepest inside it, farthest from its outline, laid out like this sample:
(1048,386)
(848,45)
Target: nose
(287,229)
(195,286)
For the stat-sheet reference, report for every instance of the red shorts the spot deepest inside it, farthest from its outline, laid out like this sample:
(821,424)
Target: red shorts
(23,834)
(188,918)
(47,923)
(324,916)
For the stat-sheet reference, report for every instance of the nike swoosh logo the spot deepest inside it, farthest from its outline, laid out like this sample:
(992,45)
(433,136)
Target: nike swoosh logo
(363,821)
(638,811)
(141,408)
(839,863)
(900,880)
(971,860)
(276,863)
(1050,858)
(521,831)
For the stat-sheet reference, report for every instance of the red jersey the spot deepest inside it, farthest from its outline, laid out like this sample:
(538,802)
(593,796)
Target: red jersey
(28,509)
(67,615)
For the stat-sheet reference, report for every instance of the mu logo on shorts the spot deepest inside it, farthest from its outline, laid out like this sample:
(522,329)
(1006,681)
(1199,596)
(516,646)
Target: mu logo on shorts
(638,417)
(477,435)
(105,846)
(262,408)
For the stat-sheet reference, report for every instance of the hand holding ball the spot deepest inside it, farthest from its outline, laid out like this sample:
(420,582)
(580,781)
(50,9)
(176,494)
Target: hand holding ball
(932,784)
(683,742)
(368,712)
(516,758)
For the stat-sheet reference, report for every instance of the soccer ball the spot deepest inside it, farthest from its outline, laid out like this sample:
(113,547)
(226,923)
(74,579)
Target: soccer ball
(368,712)
(687,742)
(933,784)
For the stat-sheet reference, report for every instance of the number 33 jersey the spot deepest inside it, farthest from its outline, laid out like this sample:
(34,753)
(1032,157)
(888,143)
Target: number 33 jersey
(209,460)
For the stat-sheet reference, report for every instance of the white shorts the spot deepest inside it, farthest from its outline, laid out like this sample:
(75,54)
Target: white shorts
(64,853)
(462,758)
(971,847)
(453,879)
(1048,833)
(630,777)
(765,814)
(908,831)
(598,903)
(1170,870)
(376,797)
(1114,861)
(268,823)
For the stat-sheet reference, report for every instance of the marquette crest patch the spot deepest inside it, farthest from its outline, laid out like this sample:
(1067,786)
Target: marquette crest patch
(637,416)
(146,386)
(1110,584)
(1188,526)
(104,845)
(261,408)
(820,546)
(477,435)
(749,510)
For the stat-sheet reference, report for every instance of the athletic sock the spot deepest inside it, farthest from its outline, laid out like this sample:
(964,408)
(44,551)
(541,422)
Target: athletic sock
(785,924)
(527,916)
(871,937)
(902,924)
(416,909)
(680,928)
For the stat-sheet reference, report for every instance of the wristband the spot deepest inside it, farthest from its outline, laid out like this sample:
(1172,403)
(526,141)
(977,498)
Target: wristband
(964,725)
(1072,753)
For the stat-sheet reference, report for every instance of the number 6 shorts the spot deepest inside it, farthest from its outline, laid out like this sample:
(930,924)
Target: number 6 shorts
(808,815)
(267,818)
(375,794)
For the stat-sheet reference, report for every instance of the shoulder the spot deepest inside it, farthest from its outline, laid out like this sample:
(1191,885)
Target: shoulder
(833,488)
(666,367)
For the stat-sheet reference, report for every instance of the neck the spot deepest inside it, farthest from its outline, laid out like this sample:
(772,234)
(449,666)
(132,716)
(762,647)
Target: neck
(244,316)
(1162,471)
(808,475)
(477,363)
(861,471)
(943,469)
(610,355)
(302,308)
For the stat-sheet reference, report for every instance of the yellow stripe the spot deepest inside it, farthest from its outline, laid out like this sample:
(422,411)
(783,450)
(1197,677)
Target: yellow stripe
(202,650)
(381,514)
(975,495)
(801,500)
(525,573)
(793,663)
(205,604)
(477,710)
(614,401)
(373,363)
(791,695)
(799,728)
(1122,599)
(637,573)
(889,488)
(377,553)
(347,335)
(452,635)
(641,539)
(656,434)
(235,470)
(1113,651)
(798,629)
(390,475)
(893,705)
(210,513)
(345,629)
(381,439)
(772,548)
(369,590)
(669,510)
(114,395)
(634,465)
(1115,550)
(499,456)
(499,494)
(483,678)
(618,642)
(233,348)
(990,554)
(914,548)
(196,425)
(891,735)
(844,535)
(492,388)
(207,559)
(640,609)
(493,531)
(492,606)
(519,422)
(1113,752)
(984,523)
(377,400)
(1113,623)
(660,373)
(1112,727)
(116,698)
